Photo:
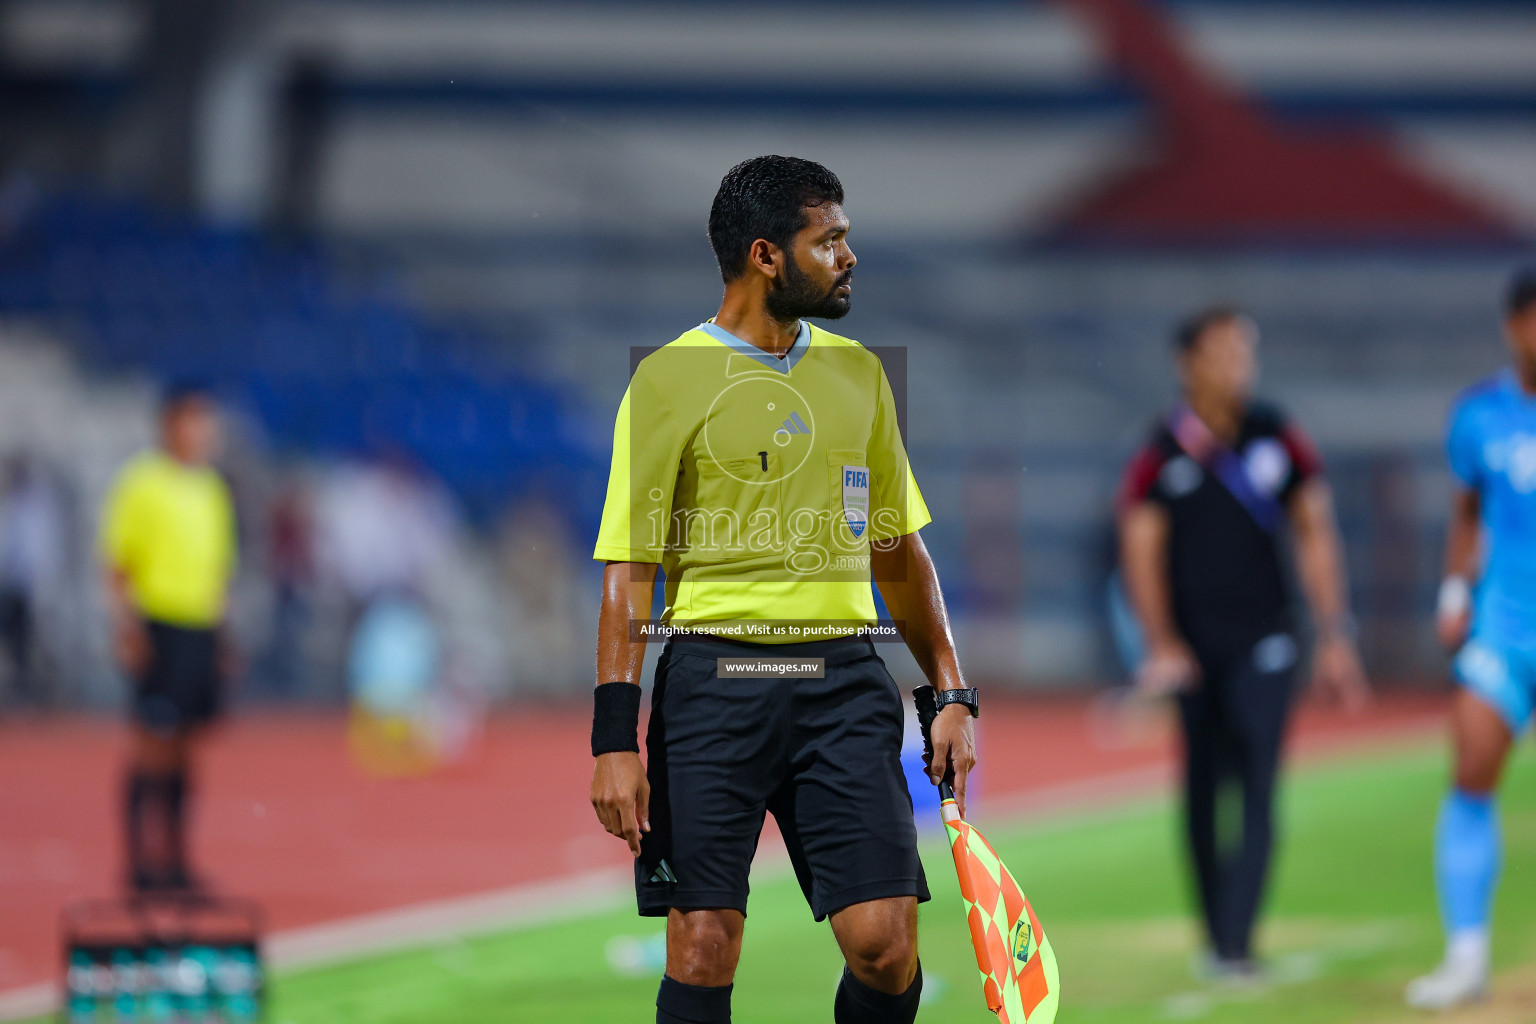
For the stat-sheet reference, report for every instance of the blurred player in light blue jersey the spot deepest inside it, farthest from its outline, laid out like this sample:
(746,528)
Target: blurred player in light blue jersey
(1487,610)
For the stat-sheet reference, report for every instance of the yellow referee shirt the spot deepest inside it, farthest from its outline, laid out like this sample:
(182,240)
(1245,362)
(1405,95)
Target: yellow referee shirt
(759,483)
(170,529)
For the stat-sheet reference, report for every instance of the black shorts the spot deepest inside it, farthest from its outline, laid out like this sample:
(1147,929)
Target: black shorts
(180,686)
(823,755)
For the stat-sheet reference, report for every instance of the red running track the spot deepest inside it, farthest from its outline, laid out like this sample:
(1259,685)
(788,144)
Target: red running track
(284,816)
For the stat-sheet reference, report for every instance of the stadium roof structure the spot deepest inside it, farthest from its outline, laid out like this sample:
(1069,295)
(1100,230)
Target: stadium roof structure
(1225,170)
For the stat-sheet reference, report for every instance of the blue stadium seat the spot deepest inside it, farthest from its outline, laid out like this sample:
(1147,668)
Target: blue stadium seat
(327,368)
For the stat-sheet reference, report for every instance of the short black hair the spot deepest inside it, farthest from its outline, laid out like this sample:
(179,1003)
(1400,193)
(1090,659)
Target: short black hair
(1190,331)
(1522,292)
(180,392)
(765,197)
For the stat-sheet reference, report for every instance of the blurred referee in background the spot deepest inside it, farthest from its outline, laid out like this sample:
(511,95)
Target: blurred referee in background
(168,546)
(758,461)
(1205,509)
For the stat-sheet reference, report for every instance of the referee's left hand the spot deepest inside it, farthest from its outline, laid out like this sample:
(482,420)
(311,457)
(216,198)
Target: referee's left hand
(954,749)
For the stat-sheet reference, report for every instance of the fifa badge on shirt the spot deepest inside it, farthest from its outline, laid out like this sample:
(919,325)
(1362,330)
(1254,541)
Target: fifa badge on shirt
(856,498)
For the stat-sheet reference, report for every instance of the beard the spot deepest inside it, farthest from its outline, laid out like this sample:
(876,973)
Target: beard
(795,295)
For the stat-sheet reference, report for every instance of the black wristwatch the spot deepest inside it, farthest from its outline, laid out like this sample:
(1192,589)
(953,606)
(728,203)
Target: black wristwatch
(966,697)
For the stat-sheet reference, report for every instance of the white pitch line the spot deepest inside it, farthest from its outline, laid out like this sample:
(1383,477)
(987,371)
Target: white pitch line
(32,1001)
(1289,969)
(520,906)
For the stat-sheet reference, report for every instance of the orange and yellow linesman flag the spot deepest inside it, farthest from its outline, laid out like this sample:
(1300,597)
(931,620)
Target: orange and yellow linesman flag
(1018,967)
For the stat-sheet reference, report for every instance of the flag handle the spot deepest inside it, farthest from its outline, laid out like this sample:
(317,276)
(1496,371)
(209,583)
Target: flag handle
(927,710)
(949,808)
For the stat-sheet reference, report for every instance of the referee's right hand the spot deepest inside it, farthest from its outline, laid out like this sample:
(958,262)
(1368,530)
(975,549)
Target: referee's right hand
(621,796)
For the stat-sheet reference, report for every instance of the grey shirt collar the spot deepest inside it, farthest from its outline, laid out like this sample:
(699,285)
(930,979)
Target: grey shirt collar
(746,348)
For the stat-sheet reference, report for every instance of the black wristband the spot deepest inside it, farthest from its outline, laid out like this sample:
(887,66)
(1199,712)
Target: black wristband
(615,718)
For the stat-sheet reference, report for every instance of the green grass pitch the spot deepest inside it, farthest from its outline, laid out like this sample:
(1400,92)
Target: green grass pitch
(1351,918)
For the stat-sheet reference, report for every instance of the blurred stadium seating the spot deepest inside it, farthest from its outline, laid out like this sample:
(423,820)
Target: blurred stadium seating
(328,370)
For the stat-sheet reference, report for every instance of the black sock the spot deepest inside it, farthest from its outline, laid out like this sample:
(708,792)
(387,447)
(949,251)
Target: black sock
(857,1003)
(154,801)
(135,792)
(143,805)
(175,824)
(677,1003)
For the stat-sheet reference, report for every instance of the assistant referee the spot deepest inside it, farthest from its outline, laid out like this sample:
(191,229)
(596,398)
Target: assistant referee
(758,461)
(168,547)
